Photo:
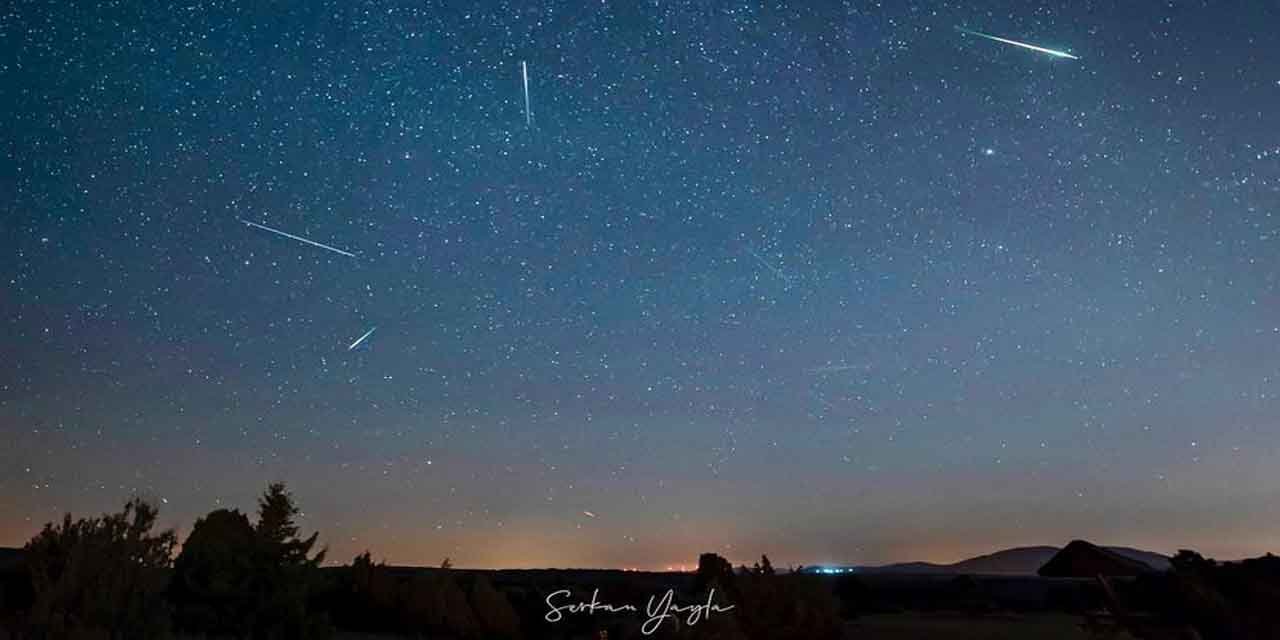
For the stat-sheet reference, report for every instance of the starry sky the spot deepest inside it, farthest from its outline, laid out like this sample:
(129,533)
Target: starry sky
(832,282)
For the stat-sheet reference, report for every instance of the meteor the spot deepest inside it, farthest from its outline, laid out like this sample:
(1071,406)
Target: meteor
(299,238)
(1052,52)
(524,75)
(361,339)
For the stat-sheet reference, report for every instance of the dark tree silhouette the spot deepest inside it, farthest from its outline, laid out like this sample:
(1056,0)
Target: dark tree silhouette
(249,581)
(1188,561)
(101,577)
(766,567)
(213,576)
(278,533)
(284,571)
(713,571)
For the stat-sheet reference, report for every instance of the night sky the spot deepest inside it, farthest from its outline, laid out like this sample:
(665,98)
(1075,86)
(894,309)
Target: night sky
(831,283)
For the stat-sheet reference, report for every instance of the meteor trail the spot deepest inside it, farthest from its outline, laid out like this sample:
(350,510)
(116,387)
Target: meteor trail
(1052,52)
(361,339)
(524,75)
(299,238)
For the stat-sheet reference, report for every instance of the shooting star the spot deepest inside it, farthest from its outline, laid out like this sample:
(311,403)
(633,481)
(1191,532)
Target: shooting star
(299,238)
(524,75)
(361,338)
(1052,52)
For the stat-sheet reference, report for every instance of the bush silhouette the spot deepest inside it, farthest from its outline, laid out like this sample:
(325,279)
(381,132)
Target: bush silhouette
(766,606)
(375,598)
(496,617)
(787,606)
(100,577)
(1221,600)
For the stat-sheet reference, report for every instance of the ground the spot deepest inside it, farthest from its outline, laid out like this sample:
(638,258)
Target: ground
(922,626)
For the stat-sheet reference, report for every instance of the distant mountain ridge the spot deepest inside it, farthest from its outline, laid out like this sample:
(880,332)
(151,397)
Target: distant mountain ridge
(1015,561)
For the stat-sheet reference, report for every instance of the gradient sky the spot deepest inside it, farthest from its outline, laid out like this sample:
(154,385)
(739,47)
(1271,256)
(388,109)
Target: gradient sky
(836,283)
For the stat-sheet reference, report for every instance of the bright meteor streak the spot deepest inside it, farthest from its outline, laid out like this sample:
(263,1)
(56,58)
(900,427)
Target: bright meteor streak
(1052,52)
(524,75)
(361,338)
(299,238)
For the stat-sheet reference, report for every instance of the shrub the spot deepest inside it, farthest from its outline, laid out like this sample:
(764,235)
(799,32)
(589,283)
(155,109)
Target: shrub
(101,577)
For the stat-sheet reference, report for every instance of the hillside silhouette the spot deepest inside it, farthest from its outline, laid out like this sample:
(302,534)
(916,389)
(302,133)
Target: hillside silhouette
(1014,561)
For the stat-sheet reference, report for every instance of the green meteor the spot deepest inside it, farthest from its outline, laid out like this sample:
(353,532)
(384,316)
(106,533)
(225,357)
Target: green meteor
(1053,52)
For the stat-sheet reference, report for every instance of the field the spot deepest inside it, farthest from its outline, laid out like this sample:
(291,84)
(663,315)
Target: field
(943,626)
(948,626)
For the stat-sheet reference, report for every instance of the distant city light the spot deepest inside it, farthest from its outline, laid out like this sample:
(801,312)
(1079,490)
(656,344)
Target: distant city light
(833,570)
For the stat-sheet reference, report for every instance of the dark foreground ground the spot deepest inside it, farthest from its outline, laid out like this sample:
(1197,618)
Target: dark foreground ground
(941,626)
(889,607)
(368,601)
(957,626)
